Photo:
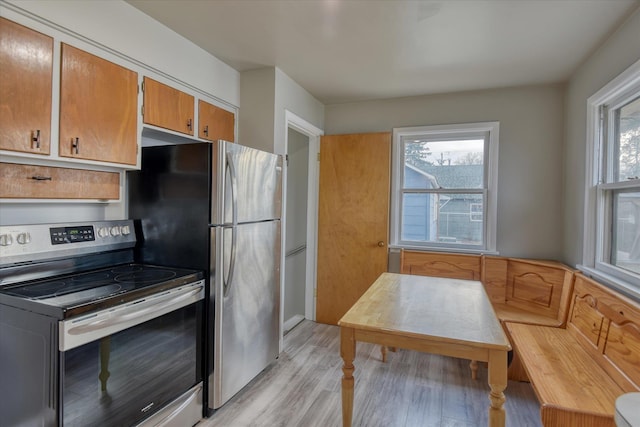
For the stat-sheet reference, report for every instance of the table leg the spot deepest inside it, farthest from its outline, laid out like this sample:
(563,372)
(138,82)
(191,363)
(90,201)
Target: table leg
(348,353)
(383,352)
(497,383)
(473,365)
(105,352)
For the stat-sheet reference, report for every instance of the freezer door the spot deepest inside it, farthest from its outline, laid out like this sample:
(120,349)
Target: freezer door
(246,184)
(246,306)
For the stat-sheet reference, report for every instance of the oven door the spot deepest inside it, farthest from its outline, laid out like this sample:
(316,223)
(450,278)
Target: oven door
(122,365)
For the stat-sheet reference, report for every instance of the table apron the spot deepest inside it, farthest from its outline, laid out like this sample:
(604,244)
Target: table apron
(425,345)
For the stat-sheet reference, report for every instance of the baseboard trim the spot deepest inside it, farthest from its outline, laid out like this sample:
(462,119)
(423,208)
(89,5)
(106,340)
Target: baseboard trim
(292,322)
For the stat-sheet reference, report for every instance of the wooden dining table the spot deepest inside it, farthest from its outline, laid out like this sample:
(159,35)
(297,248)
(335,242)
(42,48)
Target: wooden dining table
(450,317)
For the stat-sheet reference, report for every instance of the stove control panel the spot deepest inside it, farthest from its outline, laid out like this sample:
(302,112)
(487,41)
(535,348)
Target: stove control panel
(80,233)
(31,242)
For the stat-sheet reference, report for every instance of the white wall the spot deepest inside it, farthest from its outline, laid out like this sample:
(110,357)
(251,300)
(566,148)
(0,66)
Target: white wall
(530,152)
(265,94)
(293,97)
(618,53)
(257,95)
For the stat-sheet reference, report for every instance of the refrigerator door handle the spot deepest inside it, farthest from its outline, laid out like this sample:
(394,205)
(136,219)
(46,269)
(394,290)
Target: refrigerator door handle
(234,224)
(226,284)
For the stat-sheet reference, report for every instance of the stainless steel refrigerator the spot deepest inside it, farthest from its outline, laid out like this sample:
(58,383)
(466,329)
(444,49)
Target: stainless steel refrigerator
(216,207)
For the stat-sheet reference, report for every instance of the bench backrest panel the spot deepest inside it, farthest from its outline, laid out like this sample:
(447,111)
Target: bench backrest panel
(538,286)
(607,324)
(453,266)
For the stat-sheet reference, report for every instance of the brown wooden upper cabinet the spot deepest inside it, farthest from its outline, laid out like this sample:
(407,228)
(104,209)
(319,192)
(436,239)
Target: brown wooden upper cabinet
(98,108)
(46,182)
(215,123)
(26,61)
(167,107)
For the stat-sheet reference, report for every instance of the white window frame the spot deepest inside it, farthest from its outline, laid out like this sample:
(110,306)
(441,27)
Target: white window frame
(463,130)
(597,239)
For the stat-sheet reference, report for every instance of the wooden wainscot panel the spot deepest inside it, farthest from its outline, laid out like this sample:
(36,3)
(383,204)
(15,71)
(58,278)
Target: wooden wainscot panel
(453,266)
(44,182)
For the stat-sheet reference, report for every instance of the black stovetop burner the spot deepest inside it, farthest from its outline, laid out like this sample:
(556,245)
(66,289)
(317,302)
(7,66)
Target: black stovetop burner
(86,291)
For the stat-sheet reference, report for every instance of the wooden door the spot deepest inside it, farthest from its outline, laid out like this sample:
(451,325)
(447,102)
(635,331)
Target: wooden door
(98,108)
(167,107)
(26,61)
(215,123)
(353,219)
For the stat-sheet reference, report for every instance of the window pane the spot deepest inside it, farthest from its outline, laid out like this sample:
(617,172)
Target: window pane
(443,163)
(625,251)
(628,141)
(442,218)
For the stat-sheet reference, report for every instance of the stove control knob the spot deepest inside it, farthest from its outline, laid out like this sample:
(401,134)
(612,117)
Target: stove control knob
(6,239)
(125,230)
(103,232)
(23,238)
(115,230)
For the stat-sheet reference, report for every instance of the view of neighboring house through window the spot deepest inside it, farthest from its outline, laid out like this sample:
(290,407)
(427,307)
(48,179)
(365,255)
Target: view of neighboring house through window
(612,220)
(444,187)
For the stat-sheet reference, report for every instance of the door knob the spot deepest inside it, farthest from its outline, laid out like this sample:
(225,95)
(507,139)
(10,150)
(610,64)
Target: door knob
(381,243)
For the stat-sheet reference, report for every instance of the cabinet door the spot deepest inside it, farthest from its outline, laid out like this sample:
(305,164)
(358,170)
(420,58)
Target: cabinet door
(43,182)
(98,108)
(215,123)
(167,107)
(26,61)
(353,219)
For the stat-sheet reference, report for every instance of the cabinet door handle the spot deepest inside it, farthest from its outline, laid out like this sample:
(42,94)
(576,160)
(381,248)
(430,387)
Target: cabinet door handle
(36,138)
(75,145)
(41,178)
(189,125)
(206,130)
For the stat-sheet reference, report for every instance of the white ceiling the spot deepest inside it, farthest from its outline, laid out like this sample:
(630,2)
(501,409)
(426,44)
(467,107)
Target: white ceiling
(347,50)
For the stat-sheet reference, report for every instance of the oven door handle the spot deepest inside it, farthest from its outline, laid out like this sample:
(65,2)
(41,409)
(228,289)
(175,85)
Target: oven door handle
(74,333)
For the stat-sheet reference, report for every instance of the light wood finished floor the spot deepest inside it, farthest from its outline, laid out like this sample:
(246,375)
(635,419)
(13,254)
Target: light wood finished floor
(302,389)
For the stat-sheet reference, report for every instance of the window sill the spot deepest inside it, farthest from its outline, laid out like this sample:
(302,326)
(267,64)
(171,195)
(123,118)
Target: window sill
(613,282)
(444,249)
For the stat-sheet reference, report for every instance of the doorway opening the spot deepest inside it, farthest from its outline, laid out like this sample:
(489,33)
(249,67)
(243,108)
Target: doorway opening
(301,195)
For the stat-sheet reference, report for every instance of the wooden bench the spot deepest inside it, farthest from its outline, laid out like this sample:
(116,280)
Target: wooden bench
(521,290)
(535,292)
(578,371)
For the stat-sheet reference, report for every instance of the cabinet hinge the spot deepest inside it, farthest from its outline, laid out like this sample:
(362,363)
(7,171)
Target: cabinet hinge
(142,85)
(286,159)
(142,110)
(318,156)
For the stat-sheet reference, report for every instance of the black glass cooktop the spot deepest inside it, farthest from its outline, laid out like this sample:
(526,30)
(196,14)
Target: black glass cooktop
(99,288)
